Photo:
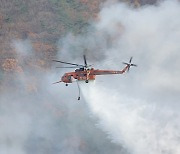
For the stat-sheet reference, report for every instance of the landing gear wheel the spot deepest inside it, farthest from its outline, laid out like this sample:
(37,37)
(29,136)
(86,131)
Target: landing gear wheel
(86,81)
(66,84)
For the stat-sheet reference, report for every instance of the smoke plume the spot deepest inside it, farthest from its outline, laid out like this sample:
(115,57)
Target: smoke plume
(139,110)
(39,117)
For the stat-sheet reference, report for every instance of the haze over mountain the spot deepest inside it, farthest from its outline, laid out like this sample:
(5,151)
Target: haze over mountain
(38,117)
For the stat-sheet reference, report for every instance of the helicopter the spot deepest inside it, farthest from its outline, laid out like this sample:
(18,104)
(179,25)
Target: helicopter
(86,73)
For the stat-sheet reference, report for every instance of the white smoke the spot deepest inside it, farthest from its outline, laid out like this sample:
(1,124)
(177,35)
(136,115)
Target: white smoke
(140,110)
(22,47)
(37,116)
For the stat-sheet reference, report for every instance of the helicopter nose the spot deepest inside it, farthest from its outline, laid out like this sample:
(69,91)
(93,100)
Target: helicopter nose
(62,78)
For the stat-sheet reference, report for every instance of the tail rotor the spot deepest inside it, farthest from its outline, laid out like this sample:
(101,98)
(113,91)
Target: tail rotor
(129,64)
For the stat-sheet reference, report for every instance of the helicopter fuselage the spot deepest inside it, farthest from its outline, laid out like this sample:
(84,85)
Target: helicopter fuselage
(87,74)
(79,74)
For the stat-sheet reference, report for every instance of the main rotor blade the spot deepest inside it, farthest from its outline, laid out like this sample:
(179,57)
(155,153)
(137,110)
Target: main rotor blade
(67,67)
(85,62)
(67,63)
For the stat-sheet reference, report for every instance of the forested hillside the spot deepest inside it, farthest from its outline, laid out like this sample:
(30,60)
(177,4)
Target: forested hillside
(43,22)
